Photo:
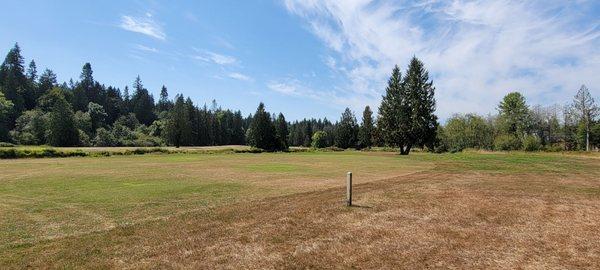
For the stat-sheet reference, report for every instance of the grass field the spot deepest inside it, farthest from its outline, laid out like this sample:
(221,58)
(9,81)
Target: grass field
(286,210)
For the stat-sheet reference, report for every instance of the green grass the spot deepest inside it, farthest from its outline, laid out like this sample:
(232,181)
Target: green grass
(43,199)
(513,162)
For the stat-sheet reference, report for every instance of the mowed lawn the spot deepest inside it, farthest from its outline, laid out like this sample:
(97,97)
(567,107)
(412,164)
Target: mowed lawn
(286,210)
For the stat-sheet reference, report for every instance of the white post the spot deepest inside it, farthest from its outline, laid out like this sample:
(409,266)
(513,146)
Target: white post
(349,189)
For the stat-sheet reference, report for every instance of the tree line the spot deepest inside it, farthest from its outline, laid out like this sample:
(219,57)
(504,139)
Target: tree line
(36,109)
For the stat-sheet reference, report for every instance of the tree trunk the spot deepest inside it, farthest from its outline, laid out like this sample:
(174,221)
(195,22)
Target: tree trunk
(404,150)
(587,135)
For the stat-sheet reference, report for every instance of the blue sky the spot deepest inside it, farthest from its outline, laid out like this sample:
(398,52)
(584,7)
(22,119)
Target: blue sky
(309,58)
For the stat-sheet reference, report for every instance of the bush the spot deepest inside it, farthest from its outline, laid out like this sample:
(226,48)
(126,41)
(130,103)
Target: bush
(84,139)
(507,143)
(319,139)
(553,148)
(531,143)
(104,138)
(38,153)
(5,144)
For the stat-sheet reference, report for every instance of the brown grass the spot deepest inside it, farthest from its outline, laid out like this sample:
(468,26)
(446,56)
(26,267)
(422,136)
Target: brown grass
(428,219)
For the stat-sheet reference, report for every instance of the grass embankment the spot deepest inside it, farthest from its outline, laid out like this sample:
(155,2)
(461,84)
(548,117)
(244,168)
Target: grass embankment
(285,210)
(48,152)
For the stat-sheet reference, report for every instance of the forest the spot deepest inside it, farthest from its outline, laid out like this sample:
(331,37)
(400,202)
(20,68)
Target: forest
(35,109)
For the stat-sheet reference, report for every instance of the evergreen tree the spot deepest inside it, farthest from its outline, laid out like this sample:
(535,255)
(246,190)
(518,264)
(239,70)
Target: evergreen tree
(84,91)
(407,116)
(281,132)
(365,133)
(30,96)
(238,129)
(32,71)
(261,133)
(47,82)
(13,83)
(178,130)
(115,106)
(164,104)
(61,126)
(586,109)
(395,119)
(143,103)
(127,100)
(347,130)
(421,92)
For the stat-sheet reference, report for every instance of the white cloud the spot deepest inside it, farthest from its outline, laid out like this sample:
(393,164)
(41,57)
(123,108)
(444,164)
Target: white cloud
(284,88)
(146,48)
(239,76)
(293,87)
(143,25)
(476,51)
(219,59)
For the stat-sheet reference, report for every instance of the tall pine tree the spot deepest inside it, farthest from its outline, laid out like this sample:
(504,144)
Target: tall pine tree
(347,130)
(421,92)
(281,132)
(406,115)
(178,130)
(365,132)
(13,83)
(261,133)
(143,103)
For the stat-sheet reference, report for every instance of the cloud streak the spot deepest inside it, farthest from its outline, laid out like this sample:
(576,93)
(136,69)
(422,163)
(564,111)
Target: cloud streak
(240,77)
(476,51)
(216,58)
(143,25)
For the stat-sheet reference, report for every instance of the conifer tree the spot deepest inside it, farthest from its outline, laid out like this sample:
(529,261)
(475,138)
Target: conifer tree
(365,133)
(586,109)
(46,82)
(61,126)
(143,103)
(394,121)
(281,132)
(13,82)
(164,104)
(178,130)
(406,115)
(261,133)
(347,130)
(421,92)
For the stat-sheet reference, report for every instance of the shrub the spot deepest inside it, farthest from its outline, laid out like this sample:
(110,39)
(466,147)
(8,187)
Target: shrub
(531,143)
(6,144)
(553,148)
(38,153)
(105,138)
(507,143)
(319,139)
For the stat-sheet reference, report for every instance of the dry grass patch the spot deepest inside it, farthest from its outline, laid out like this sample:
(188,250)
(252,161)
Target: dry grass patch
(520,215)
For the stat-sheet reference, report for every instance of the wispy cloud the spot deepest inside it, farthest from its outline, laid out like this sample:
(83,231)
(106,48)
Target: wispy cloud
(219,59)
(239,76)
(143,25)
(476,51)
(146,48)
(294,87)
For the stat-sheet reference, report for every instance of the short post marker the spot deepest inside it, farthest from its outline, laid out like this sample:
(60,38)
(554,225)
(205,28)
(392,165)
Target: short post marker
(349,189)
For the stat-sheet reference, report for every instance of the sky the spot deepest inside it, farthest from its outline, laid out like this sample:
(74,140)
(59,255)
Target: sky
(313,58)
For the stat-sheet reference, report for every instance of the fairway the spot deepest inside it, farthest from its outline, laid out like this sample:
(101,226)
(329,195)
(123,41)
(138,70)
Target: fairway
(282,209)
